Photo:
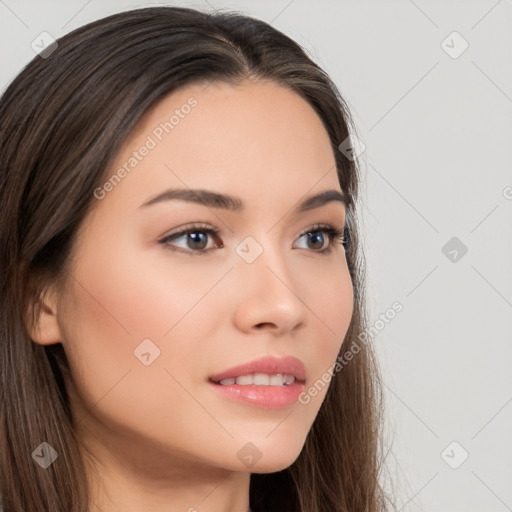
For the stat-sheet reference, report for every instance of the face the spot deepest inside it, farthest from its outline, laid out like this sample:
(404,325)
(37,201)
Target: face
(150,312)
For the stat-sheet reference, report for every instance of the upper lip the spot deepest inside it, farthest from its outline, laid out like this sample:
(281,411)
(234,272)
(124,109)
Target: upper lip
(270,365)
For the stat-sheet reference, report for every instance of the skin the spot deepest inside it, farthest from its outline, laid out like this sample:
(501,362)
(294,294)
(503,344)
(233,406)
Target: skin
(156,437)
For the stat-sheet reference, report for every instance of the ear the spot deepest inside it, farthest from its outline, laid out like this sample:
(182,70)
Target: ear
(45,329)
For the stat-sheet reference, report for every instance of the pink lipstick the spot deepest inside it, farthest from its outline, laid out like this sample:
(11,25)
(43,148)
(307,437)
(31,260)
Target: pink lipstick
(269,382)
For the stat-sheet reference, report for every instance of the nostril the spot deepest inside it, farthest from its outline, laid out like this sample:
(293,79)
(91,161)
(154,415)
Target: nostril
(264,324)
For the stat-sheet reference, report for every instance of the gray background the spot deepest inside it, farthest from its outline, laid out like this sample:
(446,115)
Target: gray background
(437,130)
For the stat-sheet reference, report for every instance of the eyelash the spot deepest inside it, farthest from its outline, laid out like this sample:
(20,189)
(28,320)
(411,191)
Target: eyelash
(333,233)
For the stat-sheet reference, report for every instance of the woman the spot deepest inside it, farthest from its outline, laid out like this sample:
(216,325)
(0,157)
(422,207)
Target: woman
(135,376)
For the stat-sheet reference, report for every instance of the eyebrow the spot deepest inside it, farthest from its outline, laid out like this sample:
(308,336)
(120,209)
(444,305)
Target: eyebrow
(232,203)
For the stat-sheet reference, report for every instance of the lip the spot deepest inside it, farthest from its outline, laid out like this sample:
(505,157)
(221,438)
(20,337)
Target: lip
(266,397)
(271,365)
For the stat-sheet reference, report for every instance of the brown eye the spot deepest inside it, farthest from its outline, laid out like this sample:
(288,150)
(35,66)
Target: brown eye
(332,235)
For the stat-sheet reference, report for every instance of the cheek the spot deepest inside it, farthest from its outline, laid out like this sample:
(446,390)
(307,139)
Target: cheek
(115,387)
(331,312)
(332,301)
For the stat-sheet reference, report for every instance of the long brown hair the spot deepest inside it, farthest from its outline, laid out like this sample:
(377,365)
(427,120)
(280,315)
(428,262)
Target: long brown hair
(62,121)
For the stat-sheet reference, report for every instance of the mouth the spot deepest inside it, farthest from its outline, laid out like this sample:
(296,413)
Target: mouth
(260,372)
(269,383)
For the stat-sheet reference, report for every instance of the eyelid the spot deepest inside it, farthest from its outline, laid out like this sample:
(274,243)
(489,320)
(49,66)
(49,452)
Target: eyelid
(199,226)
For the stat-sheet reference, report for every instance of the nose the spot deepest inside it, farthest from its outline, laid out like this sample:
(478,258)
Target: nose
(268,295)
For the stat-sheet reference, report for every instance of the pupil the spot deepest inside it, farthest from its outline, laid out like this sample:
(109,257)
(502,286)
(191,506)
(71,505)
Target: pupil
(196,238)
(318,237)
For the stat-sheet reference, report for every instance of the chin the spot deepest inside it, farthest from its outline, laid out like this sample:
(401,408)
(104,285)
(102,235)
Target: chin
(275,464)
(274,459)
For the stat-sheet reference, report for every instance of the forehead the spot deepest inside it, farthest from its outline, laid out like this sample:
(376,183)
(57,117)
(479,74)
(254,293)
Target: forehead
(252,137)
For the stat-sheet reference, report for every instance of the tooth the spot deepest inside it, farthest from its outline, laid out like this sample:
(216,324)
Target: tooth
(276,380)
(244,380)
(289,379)
(261,379)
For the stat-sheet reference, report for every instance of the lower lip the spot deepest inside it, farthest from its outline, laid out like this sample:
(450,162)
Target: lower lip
(266,397)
